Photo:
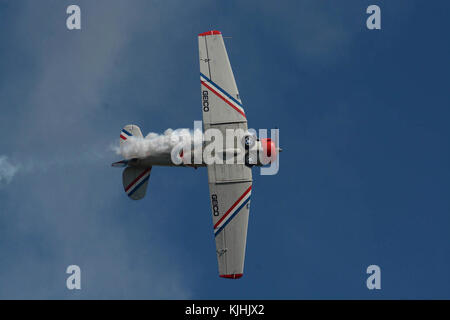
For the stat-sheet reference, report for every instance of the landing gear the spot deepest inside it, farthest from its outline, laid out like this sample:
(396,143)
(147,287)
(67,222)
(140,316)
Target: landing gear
(249,141)
(249,160)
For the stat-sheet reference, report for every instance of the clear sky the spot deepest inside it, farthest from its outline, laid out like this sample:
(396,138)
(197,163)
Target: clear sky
(364,174)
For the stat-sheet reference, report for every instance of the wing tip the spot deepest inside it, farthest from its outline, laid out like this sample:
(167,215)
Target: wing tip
(232,276)
(209,33)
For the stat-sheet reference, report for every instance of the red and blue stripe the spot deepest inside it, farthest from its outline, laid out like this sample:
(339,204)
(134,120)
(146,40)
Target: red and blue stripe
(233,211)
(124,134)
(222,94)
(138,182)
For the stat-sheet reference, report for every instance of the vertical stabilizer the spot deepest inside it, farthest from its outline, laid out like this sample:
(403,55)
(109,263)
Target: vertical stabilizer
(128,131)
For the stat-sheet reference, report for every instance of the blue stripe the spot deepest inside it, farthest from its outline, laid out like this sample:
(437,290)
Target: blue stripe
(125,131)
(231,218)
(138,186)
(220,89)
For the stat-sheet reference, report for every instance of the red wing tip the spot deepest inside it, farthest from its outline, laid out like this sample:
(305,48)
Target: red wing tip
(209,33)
(232,276)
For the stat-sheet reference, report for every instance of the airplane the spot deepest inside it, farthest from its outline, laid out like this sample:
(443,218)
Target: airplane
(230,185)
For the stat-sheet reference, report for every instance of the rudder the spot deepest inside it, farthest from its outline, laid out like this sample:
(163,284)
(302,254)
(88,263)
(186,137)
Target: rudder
(130,130)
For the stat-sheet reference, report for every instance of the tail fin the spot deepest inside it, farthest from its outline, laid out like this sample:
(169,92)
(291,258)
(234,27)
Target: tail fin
(135,181)
(128,131)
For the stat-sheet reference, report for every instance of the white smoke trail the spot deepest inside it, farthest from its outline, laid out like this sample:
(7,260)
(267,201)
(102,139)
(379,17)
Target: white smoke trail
(7,170)
(153,143)
(97,153)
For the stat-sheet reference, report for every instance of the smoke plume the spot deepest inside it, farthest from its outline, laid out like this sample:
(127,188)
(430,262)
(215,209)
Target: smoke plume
(153,143)
(7,170)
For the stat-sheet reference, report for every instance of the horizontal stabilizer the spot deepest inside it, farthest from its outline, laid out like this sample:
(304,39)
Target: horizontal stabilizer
(120,164)
(135,181)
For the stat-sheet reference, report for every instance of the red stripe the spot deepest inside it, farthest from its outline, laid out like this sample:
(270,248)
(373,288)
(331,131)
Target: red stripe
(221,97)
(124,138)
(232,207)
(209,33)
(232,276)
(135,180)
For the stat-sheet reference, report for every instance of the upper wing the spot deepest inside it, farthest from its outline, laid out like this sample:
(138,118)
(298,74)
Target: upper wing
(230,185)
(220,96)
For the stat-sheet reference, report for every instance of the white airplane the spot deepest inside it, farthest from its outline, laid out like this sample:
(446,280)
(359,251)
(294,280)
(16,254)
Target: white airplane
(230,185)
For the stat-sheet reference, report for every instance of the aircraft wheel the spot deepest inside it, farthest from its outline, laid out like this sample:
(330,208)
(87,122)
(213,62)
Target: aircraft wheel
(249,161)
(249,141)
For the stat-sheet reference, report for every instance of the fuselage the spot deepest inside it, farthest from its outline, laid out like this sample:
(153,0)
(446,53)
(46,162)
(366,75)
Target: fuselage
(257,156)
(162,159)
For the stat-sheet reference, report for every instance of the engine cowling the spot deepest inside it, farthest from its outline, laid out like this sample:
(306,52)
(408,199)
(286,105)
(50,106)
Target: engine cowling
(269,151)
(264,152)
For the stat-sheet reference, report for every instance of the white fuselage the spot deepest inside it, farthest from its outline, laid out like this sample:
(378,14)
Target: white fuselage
(164,158)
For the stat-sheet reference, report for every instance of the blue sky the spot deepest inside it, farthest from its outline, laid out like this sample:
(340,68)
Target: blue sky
(363,118)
